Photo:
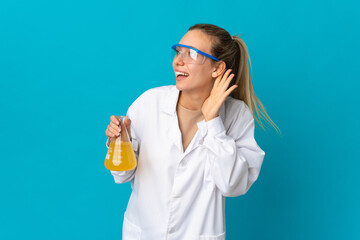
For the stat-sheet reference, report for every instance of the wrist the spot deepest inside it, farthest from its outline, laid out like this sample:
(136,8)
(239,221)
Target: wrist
(209,118)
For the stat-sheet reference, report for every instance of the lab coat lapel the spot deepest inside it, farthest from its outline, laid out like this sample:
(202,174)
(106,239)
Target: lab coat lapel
(169,108)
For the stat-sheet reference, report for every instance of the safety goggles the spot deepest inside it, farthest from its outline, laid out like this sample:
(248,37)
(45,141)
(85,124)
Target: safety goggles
(191,55)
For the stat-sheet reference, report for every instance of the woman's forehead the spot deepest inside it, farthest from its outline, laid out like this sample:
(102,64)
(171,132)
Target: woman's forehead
(197,39)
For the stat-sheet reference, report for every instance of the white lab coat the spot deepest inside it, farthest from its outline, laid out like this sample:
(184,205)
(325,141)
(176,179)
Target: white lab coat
(179,195)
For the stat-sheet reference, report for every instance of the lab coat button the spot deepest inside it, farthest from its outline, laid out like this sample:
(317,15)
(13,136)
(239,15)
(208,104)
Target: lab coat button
(182,164)
(176,195)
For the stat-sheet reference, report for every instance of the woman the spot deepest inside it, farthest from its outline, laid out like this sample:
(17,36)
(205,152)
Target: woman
(194,142)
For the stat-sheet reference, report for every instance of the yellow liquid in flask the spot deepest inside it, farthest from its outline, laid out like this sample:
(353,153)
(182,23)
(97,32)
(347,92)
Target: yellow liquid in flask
(120,156)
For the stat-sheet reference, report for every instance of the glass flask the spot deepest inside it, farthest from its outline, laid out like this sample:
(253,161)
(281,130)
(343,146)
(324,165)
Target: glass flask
(120,155)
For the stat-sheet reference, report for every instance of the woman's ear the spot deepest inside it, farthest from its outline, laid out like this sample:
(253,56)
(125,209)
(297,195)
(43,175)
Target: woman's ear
(219,69)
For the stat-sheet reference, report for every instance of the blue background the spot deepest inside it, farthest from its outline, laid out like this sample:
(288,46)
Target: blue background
(66,66)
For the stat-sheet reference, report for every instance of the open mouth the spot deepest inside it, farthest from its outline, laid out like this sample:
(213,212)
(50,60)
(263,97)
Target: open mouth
(181,75)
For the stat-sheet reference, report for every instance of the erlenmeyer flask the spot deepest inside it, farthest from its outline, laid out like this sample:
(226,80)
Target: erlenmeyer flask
(120,155)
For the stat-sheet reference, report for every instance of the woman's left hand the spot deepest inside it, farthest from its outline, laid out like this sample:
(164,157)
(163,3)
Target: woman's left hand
(218,94)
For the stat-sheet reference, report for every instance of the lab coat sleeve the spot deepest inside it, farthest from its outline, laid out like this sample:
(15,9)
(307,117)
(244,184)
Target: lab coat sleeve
(235,158)
(126,176)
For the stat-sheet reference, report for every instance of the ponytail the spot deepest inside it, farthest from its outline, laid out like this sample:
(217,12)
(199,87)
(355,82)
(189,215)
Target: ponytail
(245,91)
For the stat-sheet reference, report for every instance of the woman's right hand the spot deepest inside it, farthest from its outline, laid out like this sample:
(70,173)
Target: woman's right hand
(114,129)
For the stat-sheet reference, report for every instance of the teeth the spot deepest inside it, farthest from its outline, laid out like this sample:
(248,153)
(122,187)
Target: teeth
(181,73)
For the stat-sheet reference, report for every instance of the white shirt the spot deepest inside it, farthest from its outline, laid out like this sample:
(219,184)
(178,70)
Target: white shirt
(181,195)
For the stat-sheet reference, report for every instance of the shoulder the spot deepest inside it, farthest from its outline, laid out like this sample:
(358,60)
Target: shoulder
(153,97)
(155,93)
(237,111)
(236,106)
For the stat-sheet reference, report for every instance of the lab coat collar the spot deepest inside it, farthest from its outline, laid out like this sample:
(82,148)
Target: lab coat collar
(170,101)
(172,98)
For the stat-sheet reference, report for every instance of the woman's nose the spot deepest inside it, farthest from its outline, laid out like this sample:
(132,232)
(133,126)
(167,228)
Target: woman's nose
(178,60)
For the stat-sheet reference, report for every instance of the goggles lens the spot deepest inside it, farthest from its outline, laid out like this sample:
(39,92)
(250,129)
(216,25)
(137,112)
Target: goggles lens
(188,55)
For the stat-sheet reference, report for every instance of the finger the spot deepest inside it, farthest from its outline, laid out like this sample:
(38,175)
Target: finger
(114,131)
(114,126)
(114,119)
(227,82)
(127,122)
(217,84)
(225,76)
(227,93)
(109,133)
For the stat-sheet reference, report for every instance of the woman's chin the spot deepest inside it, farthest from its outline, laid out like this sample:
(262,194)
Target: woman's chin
(180,86)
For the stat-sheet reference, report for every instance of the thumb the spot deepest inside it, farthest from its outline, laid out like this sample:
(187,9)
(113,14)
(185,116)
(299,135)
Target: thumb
(127,122)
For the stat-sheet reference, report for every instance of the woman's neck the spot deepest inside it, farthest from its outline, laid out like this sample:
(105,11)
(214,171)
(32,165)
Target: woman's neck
(192,101)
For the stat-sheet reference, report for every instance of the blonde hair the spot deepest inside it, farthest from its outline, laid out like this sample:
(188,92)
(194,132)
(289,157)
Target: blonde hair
(233,51)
